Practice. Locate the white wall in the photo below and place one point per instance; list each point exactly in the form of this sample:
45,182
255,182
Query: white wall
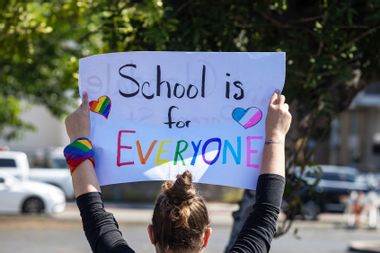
49,131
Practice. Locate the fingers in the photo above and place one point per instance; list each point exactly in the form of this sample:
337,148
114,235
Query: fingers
277,98
286,107
274,97
84,104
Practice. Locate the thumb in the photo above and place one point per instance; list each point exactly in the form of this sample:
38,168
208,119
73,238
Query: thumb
274,97
84,104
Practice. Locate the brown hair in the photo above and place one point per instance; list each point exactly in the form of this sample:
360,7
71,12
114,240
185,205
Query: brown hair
180,216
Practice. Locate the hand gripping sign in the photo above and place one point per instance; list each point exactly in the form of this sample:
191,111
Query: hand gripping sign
157,114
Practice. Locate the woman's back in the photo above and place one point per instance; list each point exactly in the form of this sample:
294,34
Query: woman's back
180,221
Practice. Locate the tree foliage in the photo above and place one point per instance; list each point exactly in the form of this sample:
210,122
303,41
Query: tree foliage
332,50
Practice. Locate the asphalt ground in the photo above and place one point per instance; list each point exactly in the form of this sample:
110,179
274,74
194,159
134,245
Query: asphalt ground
63,233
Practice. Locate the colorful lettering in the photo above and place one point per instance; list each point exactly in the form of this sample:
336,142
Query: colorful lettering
143,158
196,148
161,150
251,151
120,147
225,148
217,140
179,151
235,153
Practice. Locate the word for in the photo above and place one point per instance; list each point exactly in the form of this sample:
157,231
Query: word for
178,124
176,150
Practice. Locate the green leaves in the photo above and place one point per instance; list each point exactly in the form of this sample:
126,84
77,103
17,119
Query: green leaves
325,42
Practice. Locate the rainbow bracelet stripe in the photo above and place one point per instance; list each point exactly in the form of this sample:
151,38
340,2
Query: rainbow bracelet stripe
77,152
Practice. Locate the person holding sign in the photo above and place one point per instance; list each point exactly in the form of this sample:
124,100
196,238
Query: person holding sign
180,220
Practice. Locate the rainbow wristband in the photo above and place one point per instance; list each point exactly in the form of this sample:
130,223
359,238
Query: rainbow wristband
77,152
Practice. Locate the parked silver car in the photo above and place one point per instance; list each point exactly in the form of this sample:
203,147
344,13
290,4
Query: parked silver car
333,187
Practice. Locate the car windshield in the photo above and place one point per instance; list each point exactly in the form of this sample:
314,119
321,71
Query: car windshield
7,163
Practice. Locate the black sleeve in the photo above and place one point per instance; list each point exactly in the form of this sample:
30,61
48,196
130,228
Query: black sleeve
101,229
260,226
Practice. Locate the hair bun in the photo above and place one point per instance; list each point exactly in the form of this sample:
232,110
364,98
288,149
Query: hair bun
181,191
180,216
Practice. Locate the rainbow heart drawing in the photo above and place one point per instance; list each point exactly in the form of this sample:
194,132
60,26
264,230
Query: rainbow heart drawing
247,117
101,106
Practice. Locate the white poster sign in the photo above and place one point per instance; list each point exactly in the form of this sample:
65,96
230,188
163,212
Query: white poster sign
157,114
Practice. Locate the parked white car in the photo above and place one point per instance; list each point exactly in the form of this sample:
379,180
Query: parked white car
16,164
24,196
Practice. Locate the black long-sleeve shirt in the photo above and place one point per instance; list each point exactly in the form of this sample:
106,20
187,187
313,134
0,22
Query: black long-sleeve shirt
103,234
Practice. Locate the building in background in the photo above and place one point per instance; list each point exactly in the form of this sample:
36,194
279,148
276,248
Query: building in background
355,133
49,134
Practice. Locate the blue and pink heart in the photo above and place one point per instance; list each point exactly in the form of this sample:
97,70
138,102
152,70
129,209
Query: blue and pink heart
247,117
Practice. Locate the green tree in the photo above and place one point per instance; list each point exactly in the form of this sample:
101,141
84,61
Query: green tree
41,42
37,64
332,51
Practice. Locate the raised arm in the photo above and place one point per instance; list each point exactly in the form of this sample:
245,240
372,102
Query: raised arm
77,126
277,125
260,226
100,227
